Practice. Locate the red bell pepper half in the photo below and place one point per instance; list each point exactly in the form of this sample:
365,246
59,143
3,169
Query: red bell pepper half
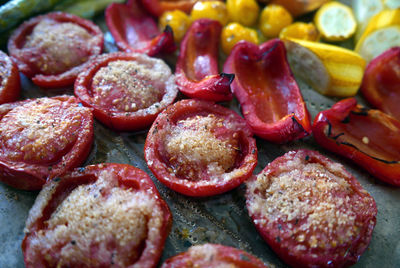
134,30
197,66
368,137
157,7
381,82
270,98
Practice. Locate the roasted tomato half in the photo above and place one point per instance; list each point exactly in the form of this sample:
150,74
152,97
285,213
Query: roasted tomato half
126,90
53,49
106,215
42,138
213,255
311,211
199,148
9,79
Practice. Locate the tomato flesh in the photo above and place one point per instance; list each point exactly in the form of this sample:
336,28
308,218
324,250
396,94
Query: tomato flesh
213,255
52,49
43,138
126,90
199,148
101,215
10,86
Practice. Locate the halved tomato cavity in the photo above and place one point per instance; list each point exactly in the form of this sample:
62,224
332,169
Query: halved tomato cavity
101,215
53,48
41,139
126,90
33,134
199,148
126,86
311,211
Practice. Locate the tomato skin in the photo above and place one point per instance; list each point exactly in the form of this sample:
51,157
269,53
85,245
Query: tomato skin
282,233
221,255
66,78
110,116
155,155
368,137
269,96
134,30
56,191
32,174
380,85
197,74
10,85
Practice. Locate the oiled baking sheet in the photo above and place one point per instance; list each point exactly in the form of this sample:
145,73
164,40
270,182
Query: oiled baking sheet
220,219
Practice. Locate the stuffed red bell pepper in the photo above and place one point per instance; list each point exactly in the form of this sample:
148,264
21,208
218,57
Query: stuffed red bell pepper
368,137
197,66
267,91
381,82
134,30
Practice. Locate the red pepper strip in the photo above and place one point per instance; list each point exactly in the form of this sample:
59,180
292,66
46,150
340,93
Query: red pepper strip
267,91
134,30
158,7
381,82
197,66
370,138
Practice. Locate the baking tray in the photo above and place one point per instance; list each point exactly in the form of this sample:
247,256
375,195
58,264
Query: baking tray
220,219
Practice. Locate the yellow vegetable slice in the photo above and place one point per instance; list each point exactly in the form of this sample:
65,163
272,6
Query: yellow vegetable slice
329,69
382,33
335,21
363,11
392,4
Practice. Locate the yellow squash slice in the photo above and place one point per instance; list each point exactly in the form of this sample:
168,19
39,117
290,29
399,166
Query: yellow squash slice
335,21
329,69
382,33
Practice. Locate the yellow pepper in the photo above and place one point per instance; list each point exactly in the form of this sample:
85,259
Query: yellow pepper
233,33
273,19
244,12
215,10
300,30
178,20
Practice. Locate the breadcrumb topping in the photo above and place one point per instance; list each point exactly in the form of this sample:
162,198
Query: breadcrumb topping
129,85
57,47
5,64
193,148
40,130
101,220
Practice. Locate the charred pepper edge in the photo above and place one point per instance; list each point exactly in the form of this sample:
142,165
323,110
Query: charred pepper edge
329,136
